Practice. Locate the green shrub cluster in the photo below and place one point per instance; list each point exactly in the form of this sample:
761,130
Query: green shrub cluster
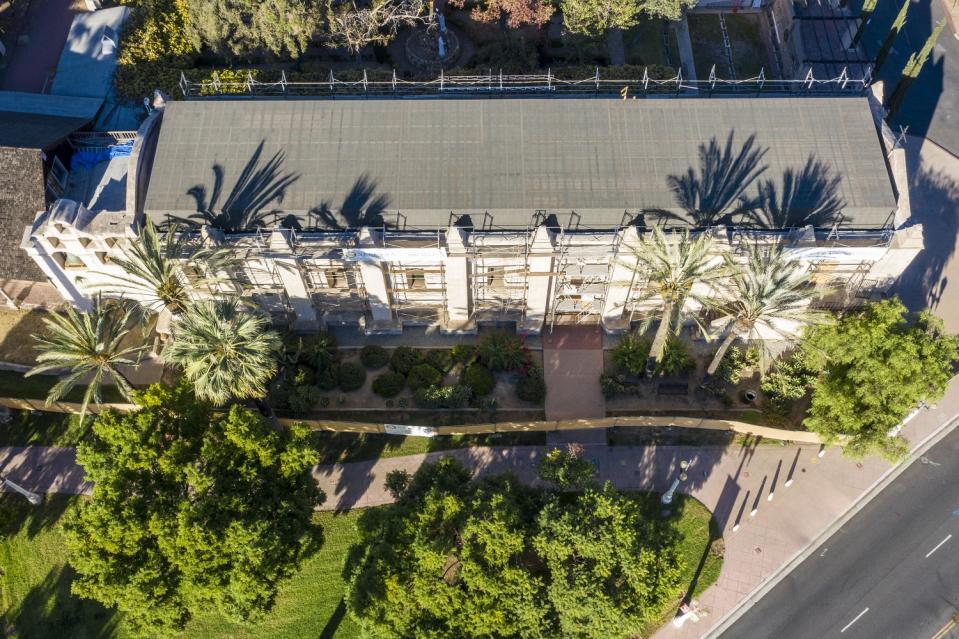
631,353
374,357
501,351
404,359
351,377
676,360
440,359
479,378
389,384
736,362
423,375
790,380
457,396
531,386
310,366
464,353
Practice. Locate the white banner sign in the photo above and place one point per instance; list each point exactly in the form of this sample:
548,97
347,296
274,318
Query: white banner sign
405,255
836,253
409,431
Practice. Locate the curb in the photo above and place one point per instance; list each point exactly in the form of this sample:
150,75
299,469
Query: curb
867,495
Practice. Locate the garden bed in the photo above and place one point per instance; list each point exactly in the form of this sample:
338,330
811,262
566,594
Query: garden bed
748,53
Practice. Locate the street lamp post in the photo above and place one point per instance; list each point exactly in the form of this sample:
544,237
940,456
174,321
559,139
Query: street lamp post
33,498
668,495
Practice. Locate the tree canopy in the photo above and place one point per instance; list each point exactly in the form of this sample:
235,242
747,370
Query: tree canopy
242,27
596,17
460,558
877,365
191,509
513,13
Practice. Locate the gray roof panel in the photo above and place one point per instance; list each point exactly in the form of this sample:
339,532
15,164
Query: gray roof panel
426,158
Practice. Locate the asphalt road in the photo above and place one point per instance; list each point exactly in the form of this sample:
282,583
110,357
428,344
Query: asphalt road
892,572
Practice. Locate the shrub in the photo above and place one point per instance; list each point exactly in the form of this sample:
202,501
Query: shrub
612,385
402,402
320,350
324,402
565,469
404,359
735,362
302,399
440,359
328,377
352,377
631,353
389,384
397,482
676,360
790,380
531,386
374,357
479,378
457,396
423,375
464,353
502,352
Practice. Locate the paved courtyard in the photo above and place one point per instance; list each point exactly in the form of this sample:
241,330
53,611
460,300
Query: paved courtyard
572,364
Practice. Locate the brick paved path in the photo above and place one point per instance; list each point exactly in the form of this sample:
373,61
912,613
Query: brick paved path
572,364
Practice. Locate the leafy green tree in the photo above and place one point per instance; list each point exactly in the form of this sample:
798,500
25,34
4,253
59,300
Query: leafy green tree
161,274
611,571
667,9
877,365
191,509
243,27
565,469
226,350
90,345
769,296
674,267
447,560
594,18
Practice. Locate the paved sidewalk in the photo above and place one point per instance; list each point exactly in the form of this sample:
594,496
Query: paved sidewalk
572,364
43,469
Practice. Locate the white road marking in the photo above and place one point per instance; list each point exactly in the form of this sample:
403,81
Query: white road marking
854,621
939,545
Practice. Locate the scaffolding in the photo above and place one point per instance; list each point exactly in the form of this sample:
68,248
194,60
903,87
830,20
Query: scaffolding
581,281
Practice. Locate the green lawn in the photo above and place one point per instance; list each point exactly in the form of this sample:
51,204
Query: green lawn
35,599
14,384
44,429
349,447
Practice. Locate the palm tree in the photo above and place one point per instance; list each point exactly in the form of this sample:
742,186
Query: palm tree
769,291
162,273
91,346
225,349
673,269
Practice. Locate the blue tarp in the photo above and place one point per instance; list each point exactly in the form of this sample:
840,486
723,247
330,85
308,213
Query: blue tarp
92,158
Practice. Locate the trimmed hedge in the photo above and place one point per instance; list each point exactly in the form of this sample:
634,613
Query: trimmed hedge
531,387
479,378
440,359
374,357
404,359
423,375
352,377
443,396
389,384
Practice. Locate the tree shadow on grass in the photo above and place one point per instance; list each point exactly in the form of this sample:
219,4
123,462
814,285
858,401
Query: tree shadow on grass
49,610
18,516
333,624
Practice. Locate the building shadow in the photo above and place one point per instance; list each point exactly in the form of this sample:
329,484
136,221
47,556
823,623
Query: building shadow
247,204
50,610
933,195
710,193
808,196
362,206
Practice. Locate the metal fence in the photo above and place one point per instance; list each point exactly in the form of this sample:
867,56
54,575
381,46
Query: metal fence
504,85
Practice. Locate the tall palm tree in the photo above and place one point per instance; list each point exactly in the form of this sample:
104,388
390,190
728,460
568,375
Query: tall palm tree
768,292
673,269
162,273
225,349
91,346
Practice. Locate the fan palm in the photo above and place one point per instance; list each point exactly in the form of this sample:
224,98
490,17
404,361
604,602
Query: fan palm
768,292
90,345
162,272
225,349
673,269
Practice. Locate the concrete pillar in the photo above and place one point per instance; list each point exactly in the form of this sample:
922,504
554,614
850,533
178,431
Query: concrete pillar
284,260
55,274
377,286
539,280
458,286
621,281
903,248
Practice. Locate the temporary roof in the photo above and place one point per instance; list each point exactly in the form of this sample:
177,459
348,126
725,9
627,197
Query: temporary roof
39,121
89,56
424,162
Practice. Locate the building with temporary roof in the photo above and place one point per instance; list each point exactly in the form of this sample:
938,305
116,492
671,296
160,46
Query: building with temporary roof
450,213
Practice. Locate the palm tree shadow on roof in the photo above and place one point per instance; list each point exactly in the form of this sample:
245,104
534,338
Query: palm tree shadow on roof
809,196
246,206
362,206
711,194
